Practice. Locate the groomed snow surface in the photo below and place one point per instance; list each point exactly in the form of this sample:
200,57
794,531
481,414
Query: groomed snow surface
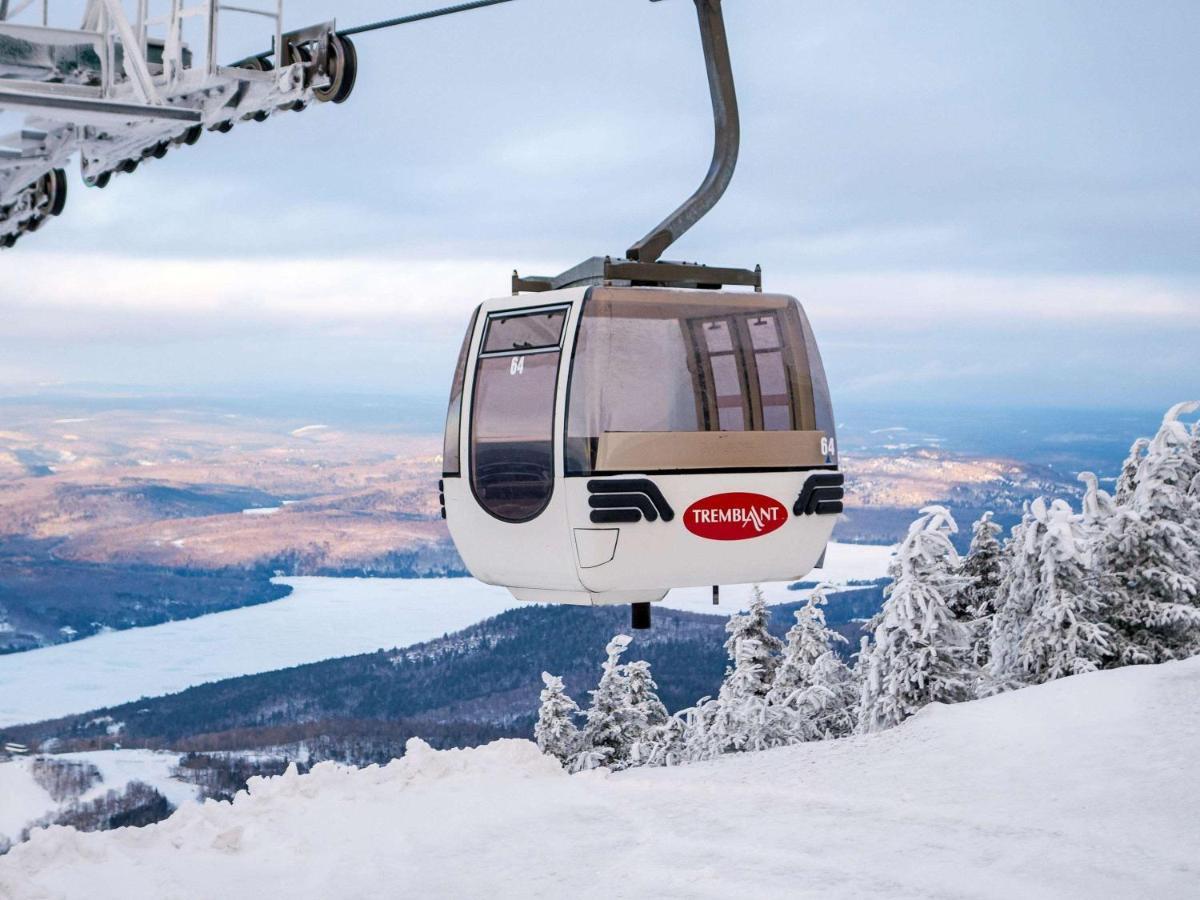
1084,787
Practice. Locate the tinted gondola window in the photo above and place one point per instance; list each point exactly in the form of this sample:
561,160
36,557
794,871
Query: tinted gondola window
525,330
450,460
512,424
689,380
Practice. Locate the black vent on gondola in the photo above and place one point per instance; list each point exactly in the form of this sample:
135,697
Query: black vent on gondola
624,500
822,495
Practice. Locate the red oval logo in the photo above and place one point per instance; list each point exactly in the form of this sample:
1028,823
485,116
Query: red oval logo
734,517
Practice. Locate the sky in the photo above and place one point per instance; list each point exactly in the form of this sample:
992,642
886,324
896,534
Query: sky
979,204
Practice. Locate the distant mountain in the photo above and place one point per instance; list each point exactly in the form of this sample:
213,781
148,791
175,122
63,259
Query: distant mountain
126,511
461,690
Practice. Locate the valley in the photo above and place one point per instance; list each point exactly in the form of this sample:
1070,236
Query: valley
120,511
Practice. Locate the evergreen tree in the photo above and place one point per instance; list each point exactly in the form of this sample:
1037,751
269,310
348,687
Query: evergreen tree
1064,633
741,719
762,647
627,723
1128,479
1014,601
920,654
555,731
1148,562
654,736
812,685
605,738
976,604
1098,508
1195,450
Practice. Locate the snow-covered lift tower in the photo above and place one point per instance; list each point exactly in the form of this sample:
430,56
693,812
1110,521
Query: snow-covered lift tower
126,86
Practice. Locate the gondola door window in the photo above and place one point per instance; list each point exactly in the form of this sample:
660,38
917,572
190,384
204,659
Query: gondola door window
512,412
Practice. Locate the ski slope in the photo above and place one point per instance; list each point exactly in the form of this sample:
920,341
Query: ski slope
23,800
1084,787
321,619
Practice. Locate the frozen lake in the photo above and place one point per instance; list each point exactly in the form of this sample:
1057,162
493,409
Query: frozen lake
323,618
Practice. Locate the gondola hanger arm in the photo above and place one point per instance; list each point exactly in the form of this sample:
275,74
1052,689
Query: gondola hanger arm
727,138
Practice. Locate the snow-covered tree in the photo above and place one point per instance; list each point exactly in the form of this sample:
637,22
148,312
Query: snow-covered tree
605,738
920,653
1014,600
982,569
627,723
1064,633
1128,479
740,718
815,688
1195,450
1098,508
654,735
1148,562
556,732
762,648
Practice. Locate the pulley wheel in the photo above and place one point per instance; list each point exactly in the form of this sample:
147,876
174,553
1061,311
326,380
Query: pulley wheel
192,135
52,196
59,200
343,70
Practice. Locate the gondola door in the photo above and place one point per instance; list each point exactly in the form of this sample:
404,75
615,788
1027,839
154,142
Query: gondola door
504,511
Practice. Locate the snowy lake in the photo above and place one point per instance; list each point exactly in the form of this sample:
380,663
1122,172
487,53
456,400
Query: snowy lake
322,618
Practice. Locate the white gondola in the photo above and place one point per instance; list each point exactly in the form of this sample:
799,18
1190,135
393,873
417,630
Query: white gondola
633,427
607,444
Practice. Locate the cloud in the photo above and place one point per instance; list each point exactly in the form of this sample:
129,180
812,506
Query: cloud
921,300
102,297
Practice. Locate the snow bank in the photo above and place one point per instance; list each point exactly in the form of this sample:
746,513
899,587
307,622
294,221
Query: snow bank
1082,787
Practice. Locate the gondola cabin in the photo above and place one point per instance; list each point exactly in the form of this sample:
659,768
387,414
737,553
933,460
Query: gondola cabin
607,444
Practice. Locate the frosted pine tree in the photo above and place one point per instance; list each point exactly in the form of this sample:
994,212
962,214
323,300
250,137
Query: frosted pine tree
752,626
919,654
604,740
627,723
741,719
1014,600
1098,508
654,737
814,688
556,732
1195,450
1128,479
1149,561
1064,633
982,570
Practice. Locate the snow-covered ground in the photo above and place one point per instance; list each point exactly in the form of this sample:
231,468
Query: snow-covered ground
323,618
23,800
1084,787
